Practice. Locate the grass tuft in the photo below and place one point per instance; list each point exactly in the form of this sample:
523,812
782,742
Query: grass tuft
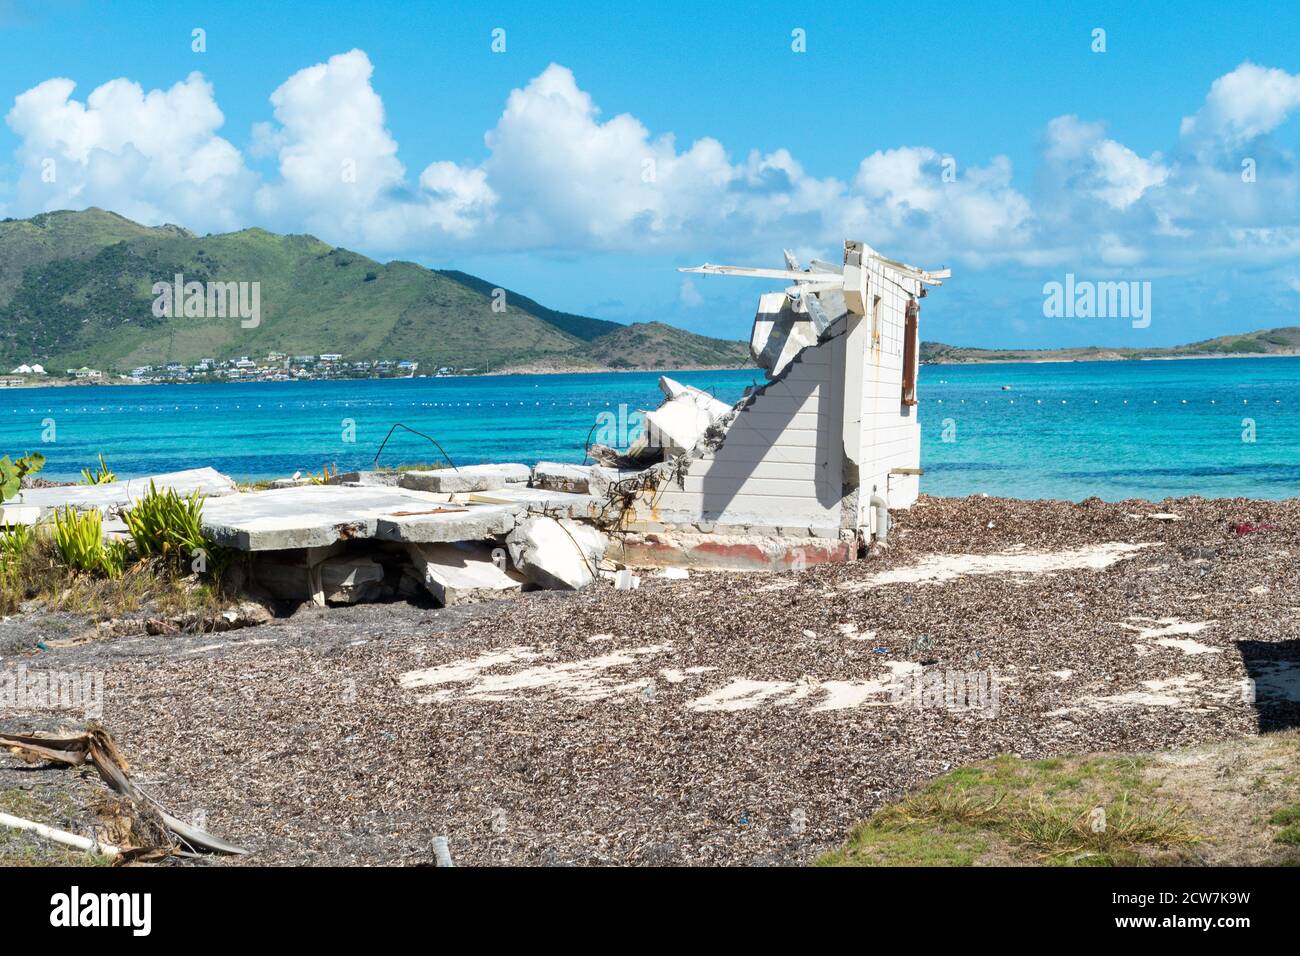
1040,808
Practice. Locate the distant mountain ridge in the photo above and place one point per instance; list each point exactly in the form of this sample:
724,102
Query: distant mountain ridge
1280,341
76,289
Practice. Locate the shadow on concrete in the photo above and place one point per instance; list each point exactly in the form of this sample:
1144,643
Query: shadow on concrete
1274,671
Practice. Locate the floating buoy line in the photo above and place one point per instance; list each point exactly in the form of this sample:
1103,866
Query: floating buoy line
352,404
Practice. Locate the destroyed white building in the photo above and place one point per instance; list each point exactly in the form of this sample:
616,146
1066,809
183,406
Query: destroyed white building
802,470
805,468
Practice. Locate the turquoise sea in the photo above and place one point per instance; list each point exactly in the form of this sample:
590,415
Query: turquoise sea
1112,429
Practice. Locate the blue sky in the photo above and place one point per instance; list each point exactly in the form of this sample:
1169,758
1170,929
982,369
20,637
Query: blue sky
528,167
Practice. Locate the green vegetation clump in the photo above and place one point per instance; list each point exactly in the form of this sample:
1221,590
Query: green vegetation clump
324,477
165,525
102,475
79,539
1288,818
12,473
1045,811
66,564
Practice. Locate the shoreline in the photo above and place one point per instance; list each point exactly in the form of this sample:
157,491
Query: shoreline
528,372
1086,361
403,378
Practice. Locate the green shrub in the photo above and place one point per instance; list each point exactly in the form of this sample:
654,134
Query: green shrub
167,526
15,546
16,542
324,477
114,558
79,540
98,476
12,473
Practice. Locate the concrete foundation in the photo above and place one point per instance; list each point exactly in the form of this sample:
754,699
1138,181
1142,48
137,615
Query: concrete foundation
728,552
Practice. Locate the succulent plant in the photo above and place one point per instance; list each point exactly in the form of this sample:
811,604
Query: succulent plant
12,473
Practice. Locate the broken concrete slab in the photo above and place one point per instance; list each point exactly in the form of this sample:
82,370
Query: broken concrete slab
513,473
564,504
311,515
351,580
319,515
679,423
780,333
464,572
387,479
674,391
558,476
118,495
19,514
593,480
446,481
449,522
557,552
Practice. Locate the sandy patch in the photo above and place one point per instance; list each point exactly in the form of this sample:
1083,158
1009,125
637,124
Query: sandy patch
1162,632
1180,692
238,644
1164,627
944,567
673,676
577,680
903,686
746,694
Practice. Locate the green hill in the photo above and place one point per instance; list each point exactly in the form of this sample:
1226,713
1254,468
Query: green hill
580,325
75,289
1282,341
655,345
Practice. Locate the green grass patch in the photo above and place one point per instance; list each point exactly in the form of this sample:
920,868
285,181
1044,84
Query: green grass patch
909,846
1288,818
1024,811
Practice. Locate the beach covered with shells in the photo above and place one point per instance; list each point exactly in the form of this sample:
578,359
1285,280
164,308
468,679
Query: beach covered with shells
721,719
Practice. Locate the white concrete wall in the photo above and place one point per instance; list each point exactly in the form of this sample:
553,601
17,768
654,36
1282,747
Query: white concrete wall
891,431
781,464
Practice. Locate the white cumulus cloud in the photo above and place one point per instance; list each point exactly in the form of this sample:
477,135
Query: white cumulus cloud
558,174
152,156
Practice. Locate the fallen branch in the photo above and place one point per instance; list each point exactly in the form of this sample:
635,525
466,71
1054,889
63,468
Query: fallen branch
96,747
59,836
